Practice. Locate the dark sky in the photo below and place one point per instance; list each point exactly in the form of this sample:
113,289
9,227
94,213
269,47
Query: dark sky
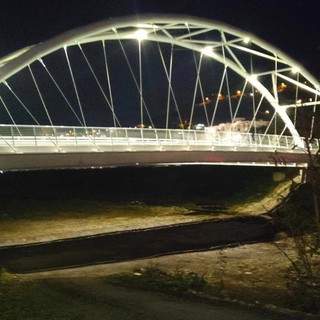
293,26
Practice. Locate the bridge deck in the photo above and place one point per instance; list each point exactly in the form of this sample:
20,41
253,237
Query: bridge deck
35,147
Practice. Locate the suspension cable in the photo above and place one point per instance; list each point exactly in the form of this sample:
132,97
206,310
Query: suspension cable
75,86
9,113
22,104
218,95
170,88
239,102
314,109
254,119
140,85
227,83
271,120
40,95
98,82
198,82
203,101
281,134
135,80
60,90
109,82
296,100
195,92
169,82
254,109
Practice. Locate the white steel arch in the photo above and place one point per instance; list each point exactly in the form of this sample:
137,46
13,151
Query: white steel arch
191,33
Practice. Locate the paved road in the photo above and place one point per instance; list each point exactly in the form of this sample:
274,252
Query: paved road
101,300
135,244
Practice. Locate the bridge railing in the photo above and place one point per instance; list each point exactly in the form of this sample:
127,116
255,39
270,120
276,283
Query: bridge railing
64,138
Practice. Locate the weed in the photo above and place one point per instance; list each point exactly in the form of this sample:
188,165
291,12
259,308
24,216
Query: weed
153,278
5,277
303,275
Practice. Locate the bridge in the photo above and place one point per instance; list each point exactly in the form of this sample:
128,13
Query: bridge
155,90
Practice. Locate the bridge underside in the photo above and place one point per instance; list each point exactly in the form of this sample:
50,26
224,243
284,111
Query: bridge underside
58,160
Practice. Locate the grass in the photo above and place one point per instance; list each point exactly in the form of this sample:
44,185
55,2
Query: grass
54,299
66,299
24,300
152,278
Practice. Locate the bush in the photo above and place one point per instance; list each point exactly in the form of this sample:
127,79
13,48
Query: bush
303,275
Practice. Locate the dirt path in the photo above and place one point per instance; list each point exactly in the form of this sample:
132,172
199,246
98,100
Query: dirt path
254,268
98,300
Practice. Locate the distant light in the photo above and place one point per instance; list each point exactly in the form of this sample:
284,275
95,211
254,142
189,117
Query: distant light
238,92
299,101
251,94
246,40
295,70
140,34
310,99
282,86
267,112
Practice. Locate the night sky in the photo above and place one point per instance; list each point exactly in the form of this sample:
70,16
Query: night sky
293,26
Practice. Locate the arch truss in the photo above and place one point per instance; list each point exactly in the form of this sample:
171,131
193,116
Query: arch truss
159,72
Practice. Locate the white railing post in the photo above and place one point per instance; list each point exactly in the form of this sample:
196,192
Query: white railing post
35,137
12,137
127,137
75,137
56,138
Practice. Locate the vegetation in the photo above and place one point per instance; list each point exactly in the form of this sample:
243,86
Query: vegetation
298,217
152,278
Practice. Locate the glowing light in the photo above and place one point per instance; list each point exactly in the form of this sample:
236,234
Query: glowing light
208,51
252,78
246,40
140,34
146,25
282,86
238,92
295,70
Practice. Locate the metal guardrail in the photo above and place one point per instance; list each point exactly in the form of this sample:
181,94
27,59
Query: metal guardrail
62,138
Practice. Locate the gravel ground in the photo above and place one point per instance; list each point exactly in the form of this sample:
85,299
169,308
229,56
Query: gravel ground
254,271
